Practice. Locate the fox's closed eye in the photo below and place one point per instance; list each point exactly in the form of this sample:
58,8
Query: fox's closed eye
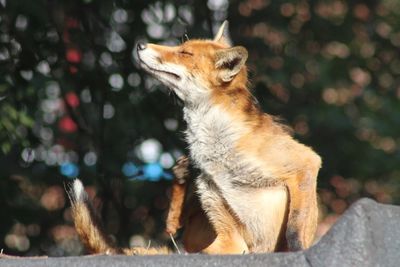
184,52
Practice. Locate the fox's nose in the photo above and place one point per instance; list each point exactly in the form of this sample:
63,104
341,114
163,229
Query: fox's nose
141,46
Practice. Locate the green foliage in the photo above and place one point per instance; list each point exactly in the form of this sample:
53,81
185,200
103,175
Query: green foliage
13,127
72,100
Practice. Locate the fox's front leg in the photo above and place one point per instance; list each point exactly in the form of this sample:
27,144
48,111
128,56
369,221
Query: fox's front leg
303,210
228,238
179,191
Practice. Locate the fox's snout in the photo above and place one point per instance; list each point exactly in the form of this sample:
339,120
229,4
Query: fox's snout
140,47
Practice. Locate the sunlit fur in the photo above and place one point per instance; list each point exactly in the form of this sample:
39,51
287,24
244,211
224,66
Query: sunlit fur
257,182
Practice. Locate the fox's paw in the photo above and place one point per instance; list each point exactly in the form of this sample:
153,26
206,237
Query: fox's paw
181,169
145,251
234,244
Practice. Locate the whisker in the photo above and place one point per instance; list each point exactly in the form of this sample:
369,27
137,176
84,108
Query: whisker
173,242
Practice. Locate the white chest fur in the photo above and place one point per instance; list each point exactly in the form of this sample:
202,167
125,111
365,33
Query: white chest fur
211,136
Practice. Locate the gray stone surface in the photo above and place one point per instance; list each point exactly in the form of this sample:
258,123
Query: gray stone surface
368,234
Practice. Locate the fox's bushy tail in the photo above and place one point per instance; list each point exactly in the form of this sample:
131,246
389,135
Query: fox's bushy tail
90,230
87,222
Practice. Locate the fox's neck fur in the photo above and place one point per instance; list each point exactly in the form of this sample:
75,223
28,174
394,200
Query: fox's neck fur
213,122
233,98
230,105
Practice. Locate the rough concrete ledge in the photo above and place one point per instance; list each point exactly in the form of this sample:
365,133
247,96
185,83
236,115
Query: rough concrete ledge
368,234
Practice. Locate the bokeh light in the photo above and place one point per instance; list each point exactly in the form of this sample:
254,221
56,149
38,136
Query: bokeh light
153,171
69,169
149,151
72,99
129,169
67,125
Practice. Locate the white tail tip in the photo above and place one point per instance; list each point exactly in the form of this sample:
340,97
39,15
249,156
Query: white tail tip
78,190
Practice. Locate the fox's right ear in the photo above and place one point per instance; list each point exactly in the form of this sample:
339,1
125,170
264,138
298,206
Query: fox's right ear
230,61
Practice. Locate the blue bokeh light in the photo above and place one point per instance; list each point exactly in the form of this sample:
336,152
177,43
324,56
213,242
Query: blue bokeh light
129,169
153,172
69,169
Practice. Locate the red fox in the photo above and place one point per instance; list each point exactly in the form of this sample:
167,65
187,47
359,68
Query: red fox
256,191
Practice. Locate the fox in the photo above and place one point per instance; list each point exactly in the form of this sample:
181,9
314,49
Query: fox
255,190
257,184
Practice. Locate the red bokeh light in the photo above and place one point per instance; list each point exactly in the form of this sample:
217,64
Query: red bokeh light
73,55
67,125
72,99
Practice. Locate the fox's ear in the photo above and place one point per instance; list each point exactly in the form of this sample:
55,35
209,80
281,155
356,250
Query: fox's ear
222,35
230,61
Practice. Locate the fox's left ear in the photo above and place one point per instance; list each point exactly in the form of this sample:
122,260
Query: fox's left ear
230,61
222,35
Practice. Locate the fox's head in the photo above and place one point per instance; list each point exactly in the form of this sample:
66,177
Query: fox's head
197,68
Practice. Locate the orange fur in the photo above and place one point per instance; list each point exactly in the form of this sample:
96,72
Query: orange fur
91,234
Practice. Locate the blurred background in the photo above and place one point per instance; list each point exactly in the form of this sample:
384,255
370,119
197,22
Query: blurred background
73,103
